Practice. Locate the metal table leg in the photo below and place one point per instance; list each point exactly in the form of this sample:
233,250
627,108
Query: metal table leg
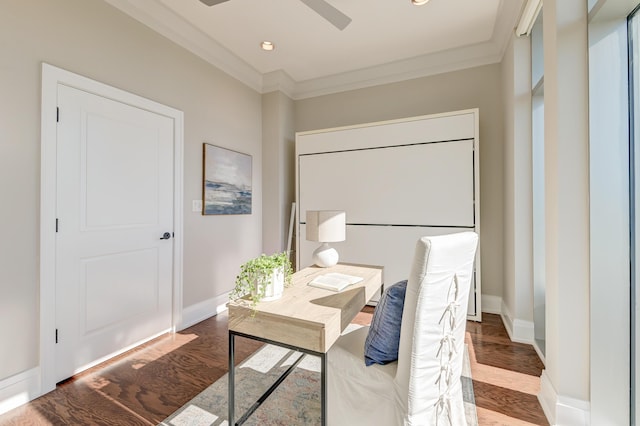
323,389
231,380
323,379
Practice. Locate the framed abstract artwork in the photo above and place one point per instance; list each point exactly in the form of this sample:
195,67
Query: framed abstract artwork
226,187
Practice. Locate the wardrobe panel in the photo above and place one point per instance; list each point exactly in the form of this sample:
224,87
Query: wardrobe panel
427,184
397,181
390,246
432,128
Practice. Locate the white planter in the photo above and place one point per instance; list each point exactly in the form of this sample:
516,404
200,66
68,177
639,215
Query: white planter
275,286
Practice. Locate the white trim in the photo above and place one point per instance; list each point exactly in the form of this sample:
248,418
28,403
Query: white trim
198,312
491,304
51,78
547,397
539,352
520,331
523,331
47,227
408,69
528,17
278,81
562,410
315,150
476,208
19,389
507,319
571,411
178,215
165,21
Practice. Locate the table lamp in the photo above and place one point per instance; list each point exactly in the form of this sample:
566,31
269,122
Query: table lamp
325,226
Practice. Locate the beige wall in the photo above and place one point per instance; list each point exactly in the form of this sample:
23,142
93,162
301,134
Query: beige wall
508,291
93,39
278,170
517,309
476,87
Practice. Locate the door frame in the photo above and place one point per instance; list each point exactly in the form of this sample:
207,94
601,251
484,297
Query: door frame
52,77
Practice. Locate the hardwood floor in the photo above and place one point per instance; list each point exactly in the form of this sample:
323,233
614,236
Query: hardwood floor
145,385
506,375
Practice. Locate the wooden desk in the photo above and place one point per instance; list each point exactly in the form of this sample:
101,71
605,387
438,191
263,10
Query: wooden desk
306,319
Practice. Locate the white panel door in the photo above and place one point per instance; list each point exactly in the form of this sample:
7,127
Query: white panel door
114,203
426,184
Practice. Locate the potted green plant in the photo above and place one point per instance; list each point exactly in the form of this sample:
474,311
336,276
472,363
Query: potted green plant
263,278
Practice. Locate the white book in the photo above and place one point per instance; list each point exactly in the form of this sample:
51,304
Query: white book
334,281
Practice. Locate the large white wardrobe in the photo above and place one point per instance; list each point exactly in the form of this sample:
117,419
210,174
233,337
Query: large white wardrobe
397,181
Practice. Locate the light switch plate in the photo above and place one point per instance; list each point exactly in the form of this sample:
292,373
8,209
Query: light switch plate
196,205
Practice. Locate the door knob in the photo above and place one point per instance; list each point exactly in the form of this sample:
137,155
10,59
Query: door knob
166,236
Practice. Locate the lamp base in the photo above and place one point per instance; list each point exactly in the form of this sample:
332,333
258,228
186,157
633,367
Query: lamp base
325,256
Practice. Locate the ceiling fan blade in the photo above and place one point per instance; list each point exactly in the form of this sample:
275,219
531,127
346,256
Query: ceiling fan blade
328,12
212,2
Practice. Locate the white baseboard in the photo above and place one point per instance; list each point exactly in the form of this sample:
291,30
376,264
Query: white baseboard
523,331
547,397
542,356
562,410
520,331
193,314
571,411
24,387
19,389
491,304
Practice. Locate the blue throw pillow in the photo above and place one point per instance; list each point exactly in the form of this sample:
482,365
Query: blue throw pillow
383,340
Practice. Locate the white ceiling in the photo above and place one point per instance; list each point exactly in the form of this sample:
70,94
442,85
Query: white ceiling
387,40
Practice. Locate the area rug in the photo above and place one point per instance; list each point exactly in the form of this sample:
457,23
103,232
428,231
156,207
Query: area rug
295,402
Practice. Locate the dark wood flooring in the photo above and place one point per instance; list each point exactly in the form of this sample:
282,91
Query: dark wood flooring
145,385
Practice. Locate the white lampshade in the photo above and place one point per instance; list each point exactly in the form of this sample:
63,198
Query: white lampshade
326,226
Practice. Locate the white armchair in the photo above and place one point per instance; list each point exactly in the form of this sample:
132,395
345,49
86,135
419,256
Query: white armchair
423,387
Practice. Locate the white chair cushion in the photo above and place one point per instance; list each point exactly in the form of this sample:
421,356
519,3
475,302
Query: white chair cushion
359,395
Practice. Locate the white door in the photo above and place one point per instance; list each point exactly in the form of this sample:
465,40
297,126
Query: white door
114,203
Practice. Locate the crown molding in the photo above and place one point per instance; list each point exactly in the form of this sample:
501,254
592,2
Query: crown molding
409,69
503,33
486,53
528,17
278,81
163,20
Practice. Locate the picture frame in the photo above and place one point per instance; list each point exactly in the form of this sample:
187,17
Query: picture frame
226,181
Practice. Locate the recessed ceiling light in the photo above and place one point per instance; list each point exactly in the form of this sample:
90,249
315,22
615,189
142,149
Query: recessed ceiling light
419,2
267,45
